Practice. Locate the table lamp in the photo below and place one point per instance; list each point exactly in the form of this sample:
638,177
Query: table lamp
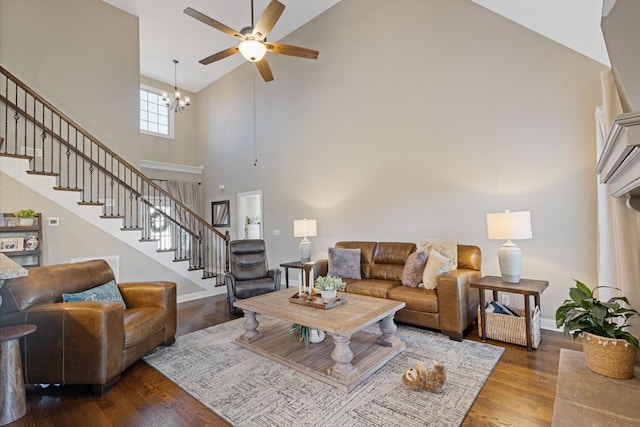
305,228
509,226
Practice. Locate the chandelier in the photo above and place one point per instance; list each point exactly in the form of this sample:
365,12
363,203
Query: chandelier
177,104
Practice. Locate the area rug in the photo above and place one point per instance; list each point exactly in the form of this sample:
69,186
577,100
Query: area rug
249,390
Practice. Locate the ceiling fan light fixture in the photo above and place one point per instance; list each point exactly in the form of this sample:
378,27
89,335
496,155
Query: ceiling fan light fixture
252,50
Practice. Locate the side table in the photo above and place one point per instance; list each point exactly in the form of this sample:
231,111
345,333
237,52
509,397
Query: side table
299,265
13,403
526,287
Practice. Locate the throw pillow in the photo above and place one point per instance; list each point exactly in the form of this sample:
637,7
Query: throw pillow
344,263
107,292
448,248
436,265
413,269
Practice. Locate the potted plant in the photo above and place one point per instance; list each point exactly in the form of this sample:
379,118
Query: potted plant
608,348
26,216
307,334
328,285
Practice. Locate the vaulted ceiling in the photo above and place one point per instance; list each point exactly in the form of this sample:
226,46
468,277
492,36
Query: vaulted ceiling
166,33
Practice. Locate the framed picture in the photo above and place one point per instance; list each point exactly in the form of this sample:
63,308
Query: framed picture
11,244
220,214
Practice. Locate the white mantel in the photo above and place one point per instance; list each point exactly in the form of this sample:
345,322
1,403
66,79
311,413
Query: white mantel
619,164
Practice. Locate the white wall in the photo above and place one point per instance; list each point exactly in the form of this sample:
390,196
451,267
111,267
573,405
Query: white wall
417,119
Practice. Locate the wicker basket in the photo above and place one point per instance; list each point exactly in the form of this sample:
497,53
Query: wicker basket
609,357
511,329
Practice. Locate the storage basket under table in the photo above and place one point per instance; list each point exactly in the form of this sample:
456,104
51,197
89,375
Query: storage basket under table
511,329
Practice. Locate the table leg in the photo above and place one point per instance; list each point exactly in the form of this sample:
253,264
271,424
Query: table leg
12,397
342,355
250,327
483,317
527,314
286,277
388,329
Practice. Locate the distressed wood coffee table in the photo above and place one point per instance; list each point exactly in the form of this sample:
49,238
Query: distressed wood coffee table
344,363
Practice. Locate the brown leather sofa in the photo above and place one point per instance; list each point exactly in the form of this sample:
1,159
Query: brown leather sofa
451,307
87,342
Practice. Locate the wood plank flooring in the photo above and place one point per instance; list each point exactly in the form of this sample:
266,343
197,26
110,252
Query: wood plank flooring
519,392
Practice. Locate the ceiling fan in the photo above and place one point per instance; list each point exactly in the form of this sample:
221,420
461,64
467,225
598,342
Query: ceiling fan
254,44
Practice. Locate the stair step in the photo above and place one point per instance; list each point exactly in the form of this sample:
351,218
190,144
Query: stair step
112,216
43,173
68,189
148,240
181,259
16,156
131,229
91,203
167,250
209,274
195,268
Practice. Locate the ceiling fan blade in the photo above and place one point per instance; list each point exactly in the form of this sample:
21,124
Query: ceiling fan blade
286,49
213,23
268,19
220,55
265,70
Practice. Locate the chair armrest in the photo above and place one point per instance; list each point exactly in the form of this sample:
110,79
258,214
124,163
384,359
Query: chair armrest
74,343
154,294
458,303
318,267
275,275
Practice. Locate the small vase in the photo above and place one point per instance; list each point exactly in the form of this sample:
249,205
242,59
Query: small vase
316,336
328,294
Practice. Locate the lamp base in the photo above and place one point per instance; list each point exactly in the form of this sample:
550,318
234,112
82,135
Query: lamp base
305,250
510,260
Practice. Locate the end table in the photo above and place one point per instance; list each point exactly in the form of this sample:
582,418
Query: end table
526,287
293,264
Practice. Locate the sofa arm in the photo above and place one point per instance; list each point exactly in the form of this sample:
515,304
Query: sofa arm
74,343
458,303
318,267
154,294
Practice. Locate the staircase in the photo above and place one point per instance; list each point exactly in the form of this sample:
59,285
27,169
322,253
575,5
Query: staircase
65,163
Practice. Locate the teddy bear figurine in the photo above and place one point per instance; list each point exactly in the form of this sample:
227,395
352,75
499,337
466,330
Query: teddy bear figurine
419,378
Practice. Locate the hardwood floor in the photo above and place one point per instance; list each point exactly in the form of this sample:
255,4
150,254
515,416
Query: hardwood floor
519,392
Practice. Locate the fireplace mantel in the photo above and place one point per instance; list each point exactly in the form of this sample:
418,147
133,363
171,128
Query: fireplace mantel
619,163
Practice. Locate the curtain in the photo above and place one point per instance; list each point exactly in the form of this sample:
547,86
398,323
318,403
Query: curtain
618,225
187,193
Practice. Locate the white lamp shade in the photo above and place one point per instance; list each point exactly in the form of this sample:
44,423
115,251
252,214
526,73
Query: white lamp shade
305,228
509,225
252,50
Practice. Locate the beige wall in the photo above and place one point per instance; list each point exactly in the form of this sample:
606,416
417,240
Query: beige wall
183,149
418,119
83,57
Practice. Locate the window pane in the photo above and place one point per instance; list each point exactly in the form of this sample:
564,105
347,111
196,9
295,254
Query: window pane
163,129
163,120
153,127
143,125
153,108
143,94
154,115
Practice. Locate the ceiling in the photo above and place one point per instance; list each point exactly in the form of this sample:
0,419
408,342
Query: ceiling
166,33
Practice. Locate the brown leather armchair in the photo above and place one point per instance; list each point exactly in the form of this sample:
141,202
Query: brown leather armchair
88,342
248,274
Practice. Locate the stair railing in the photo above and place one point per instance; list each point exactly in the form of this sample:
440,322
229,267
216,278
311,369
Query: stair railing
55,145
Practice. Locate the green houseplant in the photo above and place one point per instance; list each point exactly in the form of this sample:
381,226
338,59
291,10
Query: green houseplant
328,285
26,216
307,334
609,349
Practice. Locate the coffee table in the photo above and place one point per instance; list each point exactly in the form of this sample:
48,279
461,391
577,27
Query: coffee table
344,363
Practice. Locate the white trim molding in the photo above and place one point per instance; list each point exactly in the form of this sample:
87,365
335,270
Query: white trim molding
173,167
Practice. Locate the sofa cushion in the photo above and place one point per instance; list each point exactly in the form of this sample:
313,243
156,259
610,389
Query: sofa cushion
344,263
448,248
107,292
255,287
436,265
141,323
371,287
413,269
418,299
389,259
